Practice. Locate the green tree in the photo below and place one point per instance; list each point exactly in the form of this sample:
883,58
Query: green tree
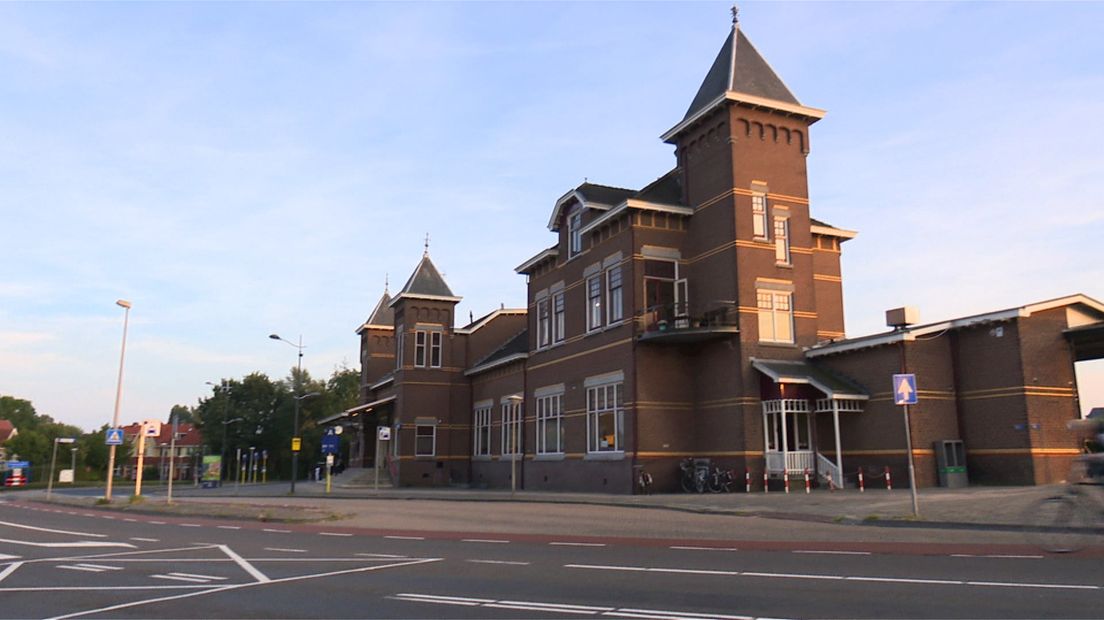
182,414
21,413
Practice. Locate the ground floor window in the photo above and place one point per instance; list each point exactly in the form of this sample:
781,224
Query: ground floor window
550,424
798,426
605,418
425,440
511,426
482,441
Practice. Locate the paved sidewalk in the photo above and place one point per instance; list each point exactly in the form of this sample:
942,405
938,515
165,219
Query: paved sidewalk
972,507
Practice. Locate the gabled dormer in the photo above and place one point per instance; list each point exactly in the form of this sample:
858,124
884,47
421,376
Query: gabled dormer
377,343
577,208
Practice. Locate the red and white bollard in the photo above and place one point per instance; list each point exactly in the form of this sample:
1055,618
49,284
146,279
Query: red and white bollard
786,477
747,481
862,487
889,480
766,482
807,487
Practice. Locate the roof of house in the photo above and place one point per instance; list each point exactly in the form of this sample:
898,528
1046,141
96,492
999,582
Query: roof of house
800,372
514,349
425,282
7,430
382,316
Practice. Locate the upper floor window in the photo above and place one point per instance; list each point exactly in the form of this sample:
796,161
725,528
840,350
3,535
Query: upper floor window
594,302
544,323
419,348
614,295
481,443
759,215
775,316
782,240
435,340
575,233
558,317
665,294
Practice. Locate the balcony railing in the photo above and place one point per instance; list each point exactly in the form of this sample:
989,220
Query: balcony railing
682,323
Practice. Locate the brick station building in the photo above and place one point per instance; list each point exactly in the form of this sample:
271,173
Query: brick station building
702,316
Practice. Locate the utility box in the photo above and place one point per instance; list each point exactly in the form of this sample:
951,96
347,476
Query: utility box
950,461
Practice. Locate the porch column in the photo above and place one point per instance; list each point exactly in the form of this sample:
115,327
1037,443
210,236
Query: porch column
766,434
785,441
835,426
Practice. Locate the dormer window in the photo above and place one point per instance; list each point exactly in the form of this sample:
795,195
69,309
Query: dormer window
575,233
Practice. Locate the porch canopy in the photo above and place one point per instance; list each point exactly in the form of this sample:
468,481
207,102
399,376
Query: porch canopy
792,452
348,413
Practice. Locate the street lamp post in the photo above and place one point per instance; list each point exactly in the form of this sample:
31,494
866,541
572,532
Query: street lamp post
53,462
298,398
122,303
73,462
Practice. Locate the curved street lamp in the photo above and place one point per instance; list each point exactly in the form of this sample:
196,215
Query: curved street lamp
122,303
298,398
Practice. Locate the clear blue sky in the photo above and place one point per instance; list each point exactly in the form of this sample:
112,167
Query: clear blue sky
242,169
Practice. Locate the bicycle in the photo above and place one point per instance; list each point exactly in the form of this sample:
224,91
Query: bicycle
721,480
695,475
1072,518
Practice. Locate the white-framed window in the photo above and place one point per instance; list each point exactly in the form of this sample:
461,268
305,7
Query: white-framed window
782,240
550,424
575,233
399,347
605,418
558,317
798,431
594,302
775,316
435,339
759,215
511,426
544,323
425,439
614,295
481,443
420,348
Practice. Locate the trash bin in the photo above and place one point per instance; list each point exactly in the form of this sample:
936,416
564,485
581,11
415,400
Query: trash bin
950,461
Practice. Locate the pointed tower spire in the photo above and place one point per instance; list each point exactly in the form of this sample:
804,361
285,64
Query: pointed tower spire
386,283
426,252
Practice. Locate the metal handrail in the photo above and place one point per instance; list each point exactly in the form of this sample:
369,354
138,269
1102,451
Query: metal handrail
681,315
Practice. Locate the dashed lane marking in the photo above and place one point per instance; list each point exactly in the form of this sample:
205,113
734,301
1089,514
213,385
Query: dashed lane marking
998,556
860,578
229,527
176,578
562,608
333,534
380,555
189,525
690,548
275,531
819,552
405,537
507,562
189,577
157,523
279,550
577,544
140,539
484,540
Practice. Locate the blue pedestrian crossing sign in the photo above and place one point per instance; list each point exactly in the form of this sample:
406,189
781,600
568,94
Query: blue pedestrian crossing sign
330,442
114,437
904,389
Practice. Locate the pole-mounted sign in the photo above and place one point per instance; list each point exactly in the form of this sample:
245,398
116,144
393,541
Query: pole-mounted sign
904,389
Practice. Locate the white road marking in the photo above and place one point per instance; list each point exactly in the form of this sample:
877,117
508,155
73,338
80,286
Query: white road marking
405,537
157,523
140,539
507,562
1001,584
998,556
333,534
14,566
814,551
195,576
202,590
4,556
274,531
685,548
175,578
81,543
484,540
246,566
380,555
278,549
189,525
101,566
582,610
577,544
86,569
129,520
50,531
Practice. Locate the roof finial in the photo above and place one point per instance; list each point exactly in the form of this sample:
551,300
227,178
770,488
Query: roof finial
426,246
386,282
735,14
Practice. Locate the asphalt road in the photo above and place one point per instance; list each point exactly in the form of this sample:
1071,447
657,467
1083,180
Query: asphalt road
63,562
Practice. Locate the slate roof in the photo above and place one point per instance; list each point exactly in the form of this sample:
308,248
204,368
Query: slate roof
518,345
788,371
7,430
667,189
383,314
604,194
425,280
739,68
